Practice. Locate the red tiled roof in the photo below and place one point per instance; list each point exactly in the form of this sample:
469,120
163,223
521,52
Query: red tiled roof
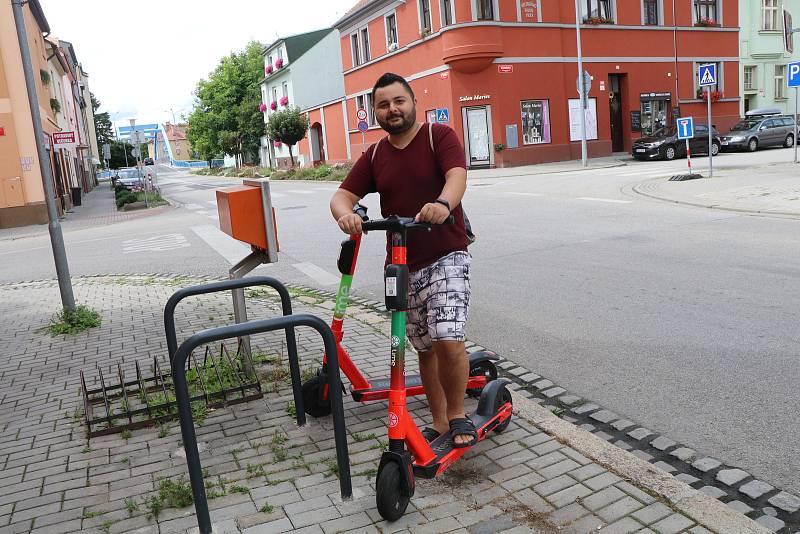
361,4
175,132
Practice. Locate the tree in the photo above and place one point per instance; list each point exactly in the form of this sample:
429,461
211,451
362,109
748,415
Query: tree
102,123
226,119
118,150
288,126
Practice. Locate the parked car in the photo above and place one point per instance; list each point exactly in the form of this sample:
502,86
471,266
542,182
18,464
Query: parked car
128,178
757,131
664,144
149,161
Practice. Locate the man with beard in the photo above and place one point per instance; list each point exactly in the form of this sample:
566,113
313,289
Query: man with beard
419,170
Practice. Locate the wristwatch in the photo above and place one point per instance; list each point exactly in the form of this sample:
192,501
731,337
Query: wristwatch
444,203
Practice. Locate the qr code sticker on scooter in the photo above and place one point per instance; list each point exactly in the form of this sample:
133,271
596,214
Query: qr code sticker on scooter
391,286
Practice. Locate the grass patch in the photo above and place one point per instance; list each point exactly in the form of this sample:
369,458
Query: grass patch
171,494
106,525
73,321
328,173
239,489
131,506
89,515
266,509
363,437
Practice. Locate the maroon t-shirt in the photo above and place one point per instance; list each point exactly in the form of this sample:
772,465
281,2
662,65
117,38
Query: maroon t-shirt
409,178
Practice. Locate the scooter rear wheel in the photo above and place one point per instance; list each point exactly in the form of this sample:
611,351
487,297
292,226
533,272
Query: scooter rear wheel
485,368
389,497
313,403
504,397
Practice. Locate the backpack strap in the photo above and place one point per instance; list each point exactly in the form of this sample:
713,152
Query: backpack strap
430,136
374,150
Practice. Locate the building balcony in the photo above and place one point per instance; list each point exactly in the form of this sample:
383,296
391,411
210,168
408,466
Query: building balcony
471,49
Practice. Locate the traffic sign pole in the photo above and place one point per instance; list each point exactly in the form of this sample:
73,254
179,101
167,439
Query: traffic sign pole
796,90
710,139
689,156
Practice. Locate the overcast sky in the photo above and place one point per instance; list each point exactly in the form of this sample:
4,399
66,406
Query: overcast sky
146,57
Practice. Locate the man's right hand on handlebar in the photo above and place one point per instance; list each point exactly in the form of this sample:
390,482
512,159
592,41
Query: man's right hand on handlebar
350,224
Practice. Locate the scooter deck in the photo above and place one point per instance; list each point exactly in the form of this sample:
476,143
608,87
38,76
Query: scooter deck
381,386
446,454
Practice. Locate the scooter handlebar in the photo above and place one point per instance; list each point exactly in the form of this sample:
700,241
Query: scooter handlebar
361,211
394,223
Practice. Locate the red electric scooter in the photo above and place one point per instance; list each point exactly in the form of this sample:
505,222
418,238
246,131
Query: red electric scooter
315,390
400,464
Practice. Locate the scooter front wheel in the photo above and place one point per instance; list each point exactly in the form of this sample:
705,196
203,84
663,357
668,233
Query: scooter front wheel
502,398
389,496
313,402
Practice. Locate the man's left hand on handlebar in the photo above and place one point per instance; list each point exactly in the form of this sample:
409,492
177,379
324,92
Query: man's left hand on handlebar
433,213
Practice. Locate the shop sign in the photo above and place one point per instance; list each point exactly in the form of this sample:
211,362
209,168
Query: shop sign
505,69
64,138
26,162
444,75
2,131
529,10
636,121
473,98
644,97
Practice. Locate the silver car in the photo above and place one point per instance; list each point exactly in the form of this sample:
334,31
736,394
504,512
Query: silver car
128,178
755,132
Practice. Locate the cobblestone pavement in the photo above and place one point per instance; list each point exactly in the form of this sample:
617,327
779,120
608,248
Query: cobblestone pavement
264,473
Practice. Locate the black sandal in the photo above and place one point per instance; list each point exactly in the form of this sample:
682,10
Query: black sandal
430,434
463,426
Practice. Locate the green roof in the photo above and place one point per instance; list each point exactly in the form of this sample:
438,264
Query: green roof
297,45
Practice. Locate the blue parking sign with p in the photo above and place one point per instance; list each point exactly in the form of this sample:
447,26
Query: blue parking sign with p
685,128
794,74
707,74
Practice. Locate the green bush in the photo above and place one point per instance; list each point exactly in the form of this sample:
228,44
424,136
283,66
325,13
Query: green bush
126,197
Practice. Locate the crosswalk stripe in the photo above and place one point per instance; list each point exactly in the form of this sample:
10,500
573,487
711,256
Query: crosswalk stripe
318,274
611,200
158,243
233,251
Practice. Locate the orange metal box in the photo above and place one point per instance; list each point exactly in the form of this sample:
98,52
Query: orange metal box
241,214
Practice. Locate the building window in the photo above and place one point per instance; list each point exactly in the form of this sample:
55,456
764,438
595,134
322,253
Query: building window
448,17
749,78
780,82
535,122
485,9
425,16
365,102
391,32
355,50
770,13
285,89
280,53
599,9
705,10
365,44
651,13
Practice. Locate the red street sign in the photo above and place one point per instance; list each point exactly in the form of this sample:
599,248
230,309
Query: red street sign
63,138
444,75
505,69
2,131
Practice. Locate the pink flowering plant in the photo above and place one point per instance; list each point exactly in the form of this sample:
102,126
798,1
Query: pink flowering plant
284,101
262,107
268,70
279,63
273,105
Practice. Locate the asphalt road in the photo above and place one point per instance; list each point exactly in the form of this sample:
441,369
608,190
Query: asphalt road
680,318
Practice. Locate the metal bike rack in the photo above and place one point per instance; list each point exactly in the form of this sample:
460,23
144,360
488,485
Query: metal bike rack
240,284
180,355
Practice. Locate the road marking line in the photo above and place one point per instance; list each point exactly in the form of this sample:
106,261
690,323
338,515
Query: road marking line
158,243
193,206
226,246
520,193
318,274
612,200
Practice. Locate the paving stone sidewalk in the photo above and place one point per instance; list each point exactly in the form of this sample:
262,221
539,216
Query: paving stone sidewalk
264,473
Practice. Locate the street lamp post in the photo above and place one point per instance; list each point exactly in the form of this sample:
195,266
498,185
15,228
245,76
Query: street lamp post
581,85
54,227
137,147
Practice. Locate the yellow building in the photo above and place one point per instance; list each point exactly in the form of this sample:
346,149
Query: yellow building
21,191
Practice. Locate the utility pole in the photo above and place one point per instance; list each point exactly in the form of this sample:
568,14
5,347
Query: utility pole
54,227
581,85
138,147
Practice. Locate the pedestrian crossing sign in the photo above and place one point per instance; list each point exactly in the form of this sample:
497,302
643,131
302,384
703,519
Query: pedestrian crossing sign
442,115
707,75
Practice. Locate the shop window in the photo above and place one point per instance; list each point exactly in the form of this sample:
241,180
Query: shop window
651,12
425,25
391,32
448,15
535,122
749,78
770,15
484,9
598,11
780,82
706,11
654,114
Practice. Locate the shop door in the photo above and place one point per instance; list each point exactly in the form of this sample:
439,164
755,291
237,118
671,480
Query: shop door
615,105
478,136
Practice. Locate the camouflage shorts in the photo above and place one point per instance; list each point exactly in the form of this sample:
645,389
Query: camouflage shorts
438,301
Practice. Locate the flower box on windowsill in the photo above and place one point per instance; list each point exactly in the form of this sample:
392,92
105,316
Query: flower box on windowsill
598,20
716,96
284,101
707,23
